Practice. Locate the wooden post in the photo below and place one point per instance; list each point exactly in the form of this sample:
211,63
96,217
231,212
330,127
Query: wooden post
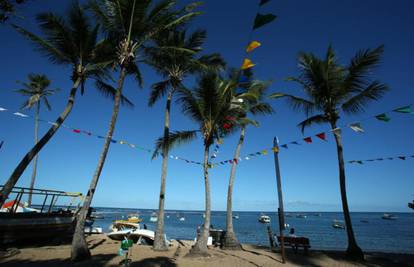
280,197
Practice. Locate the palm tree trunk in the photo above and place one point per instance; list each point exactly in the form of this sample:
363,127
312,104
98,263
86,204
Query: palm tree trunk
353,249
80,249
159,240
36,133
200,247
230,239
18,171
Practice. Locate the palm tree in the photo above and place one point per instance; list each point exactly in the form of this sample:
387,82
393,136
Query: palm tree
174,65
74,43
209,106
37,91
332,89
128,25
250,101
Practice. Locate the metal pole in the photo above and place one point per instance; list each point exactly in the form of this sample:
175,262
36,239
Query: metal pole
280,197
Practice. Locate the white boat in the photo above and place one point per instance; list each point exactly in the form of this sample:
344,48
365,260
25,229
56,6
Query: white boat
236,216
388,216
182,219
264,219
302,216
154,217
138,236
118,226
338,224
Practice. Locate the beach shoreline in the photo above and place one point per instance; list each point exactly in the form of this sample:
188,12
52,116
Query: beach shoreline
104,253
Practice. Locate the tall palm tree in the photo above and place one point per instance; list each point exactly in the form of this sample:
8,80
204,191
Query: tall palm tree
333,89
70,42
37,91
174,65
251,101
209,106
128,25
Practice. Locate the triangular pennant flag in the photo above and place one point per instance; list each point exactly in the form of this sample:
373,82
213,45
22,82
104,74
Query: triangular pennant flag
352,161
321,136
262,2
307,140
258,153
114,141
295,143
379,159
88,133
247,64
383,117
76,131
100,136
370,160
264,152
252,46
402,157
122,142
356,127
20,114
337,132
406,109
246,158
2,109
231,161
390,158
275,149
359,162
132,145
284,146
262,20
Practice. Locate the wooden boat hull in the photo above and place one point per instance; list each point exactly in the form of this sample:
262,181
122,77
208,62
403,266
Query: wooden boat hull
29,228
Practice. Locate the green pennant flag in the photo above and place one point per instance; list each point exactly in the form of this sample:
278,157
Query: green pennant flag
359,162
262,2
406,109
383,117
262,20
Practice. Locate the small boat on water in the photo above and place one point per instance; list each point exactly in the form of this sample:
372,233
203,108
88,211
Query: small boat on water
154,217
264,219
236,216
182,219
302,216
338,224
388,216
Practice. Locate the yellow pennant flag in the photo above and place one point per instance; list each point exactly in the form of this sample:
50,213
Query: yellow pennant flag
253,45
247,64
264,152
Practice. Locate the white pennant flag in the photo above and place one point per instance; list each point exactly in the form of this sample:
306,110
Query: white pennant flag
2,109
20,114
356,127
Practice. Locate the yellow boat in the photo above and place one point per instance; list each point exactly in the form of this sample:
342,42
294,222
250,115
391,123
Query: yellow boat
131,219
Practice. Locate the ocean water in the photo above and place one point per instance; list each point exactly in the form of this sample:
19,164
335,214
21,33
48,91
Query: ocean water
376,234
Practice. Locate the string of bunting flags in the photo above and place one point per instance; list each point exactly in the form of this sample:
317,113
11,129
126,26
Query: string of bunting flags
259,21
356,127
403,157
91,134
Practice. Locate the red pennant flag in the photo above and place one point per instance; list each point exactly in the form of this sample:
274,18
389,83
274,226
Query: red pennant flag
76,131
308,140
322,136
227,126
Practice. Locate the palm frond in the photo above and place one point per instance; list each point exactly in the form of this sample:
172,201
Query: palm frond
262,109
297,103
158,90
109,91
175,138
316,119
372,92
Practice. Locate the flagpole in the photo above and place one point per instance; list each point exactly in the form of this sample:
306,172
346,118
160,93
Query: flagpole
280,197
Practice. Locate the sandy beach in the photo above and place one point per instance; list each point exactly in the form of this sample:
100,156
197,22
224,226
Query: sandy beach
104,253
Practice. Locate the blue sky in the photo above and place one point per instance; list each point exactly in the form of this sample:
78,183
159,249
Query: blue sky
309,172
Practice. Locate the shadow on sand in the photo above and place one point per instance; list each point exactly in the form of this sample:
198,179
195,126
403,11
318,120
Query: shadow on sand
154,262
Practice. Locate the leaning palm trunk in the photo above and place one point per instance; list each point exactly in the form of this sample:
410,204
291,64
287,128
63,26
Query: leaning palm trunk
159,240
80,249
32,181
353,249
200,247
230,239
18,171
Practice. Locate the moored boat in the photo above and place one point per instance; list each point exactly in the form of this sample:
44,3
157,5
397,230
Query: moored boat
154,217
338,224
264,219
388,216
302,216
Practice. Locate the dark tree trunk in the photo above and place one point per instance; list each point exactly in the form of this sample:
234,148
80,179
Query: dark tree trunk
36,133
353,249
159,240
18,171
200,247
230,239
80,250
